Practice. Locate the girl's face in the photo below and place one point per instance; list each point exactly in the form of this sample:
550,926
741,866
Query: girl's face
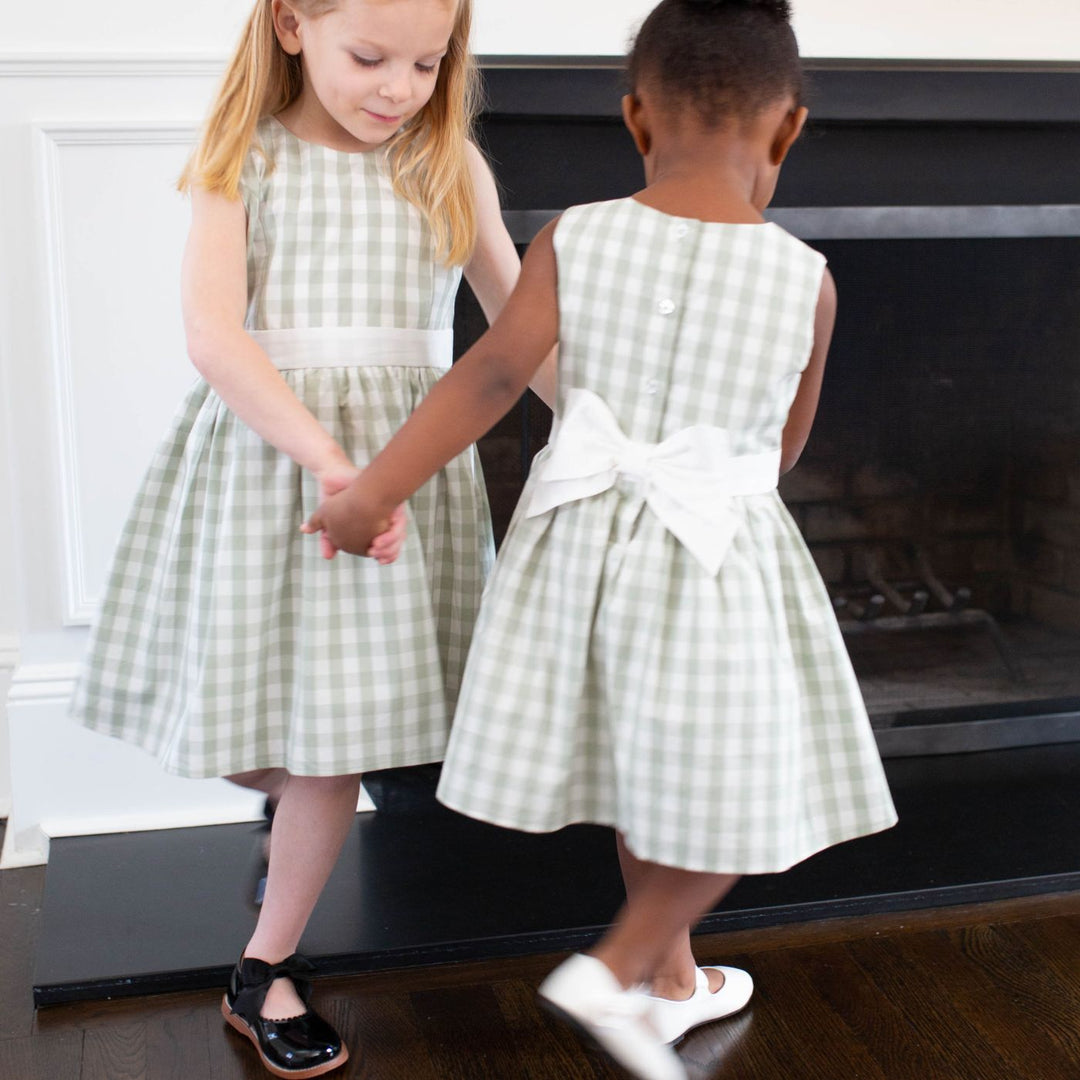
369,65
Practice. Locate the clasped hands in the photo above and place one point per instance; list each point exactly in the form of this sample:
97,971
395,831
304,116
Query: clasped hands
347,521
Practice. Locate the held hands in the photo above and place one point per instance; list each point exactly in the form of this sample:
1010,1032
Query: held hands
386,547
341,525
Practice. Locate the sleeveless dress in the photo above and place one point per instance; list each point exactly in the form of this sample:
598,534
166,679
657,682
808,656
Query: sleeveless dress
617,676
225,642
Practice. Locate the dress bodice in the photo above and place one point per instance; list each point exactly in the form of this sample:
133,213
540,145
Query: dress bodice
330,243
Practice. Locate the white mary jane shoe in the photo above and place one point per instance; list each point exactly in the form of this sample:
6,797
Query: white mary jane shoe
584,992
673,1019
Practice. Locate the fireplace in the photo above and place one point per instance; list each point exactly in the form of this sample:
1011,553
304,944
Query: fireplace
940,490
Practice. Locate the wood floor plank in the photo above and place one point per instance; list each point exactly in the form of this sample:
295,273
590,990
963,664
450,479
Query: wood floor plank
384,1033
931,973
93,1015
786,993
178,1047
904,1048
467,1036
1018,1002
50,1057
1057,944
914,988
115,1053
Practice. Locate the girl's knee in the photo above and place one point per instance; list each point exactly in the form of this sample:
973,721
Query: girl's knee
329,784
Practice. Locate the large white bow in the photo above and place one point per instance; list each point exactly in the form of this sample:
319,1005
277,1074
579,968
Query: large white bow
688,480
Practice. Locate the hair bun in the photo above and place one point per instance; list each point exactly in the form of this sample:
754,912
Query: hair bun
780,9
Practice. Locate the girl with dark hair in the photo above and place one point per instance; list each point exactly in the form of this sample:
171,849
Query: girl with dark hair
656,650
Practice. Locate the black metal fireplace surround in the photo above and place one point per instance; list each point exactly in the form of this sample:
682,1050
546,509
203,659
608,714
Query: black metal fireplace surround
940,494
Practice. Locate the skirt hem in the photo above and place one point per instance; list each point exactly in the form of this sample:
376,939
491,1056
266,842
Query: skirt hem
371,763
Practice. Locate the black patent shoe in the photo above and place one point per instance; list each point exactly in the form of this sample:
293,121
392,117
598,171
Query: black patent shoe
298,1047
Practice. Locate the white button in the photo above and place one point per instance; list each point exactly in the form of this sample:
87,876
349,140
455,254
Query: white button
651,386
681,230
666,306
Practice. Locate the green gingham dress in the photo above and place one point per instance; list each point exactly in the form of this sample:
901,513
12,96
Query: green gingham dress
225,642
713,718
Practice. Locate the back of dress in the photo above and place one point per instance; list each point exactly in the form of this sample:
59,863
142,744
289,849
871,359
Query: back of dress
656,650
675,322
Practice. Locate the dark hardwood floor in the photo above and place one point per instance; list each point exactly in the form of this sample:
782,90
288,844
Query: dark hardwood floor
985,992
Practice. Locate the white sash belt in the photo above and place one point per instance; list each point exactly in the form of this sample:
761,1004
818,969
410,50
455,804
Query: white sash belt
356,346
688,480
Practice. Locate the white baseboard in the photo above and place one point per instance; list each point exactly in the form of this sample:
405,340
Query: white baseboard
43,683
30,848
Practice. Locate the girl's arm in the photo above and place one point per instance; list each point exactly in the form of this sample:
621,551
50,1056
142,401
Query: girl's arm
494,267
214,297
804,407
480,389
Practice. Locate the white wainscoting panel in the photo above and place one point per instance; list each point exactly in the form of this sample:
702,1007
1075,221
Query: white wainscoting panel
114,230
92,368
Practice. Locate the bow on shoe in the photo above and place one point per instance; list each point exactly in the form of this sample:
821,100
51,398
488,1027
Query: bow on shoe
252,979
688,480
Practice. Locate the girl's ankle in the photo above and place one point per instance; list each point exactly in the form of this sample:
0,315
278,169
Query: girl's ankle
612,963
674,989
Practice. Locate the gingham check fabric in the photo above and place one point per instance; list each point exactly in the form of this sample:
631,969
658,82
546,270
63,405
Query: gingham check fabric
715,720
225,642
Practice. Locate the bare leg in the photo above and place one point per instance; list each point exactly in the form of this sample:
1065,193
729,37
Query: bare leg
313,818
675,974
269,781
650,941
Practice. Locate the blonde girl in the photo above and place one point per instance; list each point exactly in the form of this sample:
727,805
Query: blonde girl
336,200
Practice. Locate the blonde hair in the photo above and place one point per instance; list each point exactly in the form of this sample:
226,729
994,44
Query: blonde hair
428,156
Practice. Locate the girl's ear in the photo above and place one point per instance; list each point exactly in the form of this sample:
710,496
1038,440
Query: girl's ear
636,123
286,26
789,130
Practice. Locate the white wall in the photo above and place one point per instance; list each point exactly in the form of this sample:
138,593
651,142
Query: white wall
96,106
91,367
952,29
